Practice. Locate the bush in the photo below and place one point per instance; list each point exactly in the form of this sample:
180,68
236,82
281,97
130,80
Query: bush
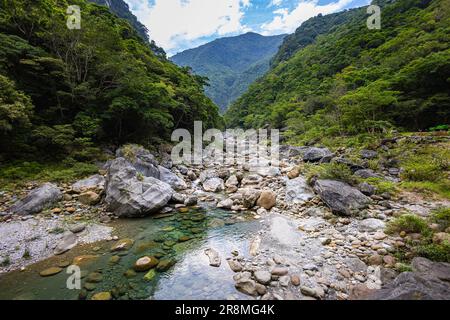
382,186
441,216
435,252
332,171
421,171
410,223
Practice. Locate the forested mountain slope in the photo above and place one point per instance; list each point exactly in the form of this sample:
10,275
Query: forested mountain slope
122,10
355,80
66,92
231,64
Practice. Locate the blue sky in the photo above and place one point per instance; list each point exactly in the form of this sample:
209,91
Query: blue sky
177,25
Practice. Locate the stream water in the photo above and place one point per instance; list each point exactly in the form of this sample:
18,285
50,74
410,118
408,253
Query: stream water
179,240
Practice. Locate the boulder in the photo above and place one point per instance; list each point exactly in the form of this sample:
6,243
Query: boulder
266,171
141,159
314,154
89,198
191,201
368,154
93,183
167,176
225,204
232,181
37,200
214,258
340,197
249,197
267,199
208,174
371,225
263,277
366,173
298,191
68,241
251,179
213,185
129,194
367,188
428,281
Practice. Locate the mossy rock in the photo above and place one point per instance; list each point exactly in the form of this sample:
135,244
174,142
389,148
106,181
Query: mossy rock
50,271
165,264
129,273
102,296
94,277
89,286
150,275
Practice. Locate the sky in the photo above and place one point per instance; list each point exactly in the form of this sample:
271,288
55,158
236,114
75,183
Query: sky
177,25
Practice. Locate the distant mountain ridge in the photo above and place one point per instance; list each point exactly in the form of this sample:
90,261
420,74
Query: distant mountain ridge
231,64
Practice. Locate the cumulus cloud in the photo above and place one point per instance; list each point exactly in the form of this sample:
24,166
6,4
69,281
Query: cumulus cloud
175,24
286,21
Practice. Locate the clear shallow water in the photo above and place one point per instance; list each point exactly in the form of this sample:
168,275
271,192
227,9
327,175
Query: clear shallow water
190,277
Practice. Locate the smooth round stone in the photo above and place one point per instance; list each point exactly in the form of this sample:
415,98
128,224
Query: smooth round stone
80,260
102,296
114,259
89,286
145,263
129,274
184,238
122,245
94,277
64,264
165,264
50,271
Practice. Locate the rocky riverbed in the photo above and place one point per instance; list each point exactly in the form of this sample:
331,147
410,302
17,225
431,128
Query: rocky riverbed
145,229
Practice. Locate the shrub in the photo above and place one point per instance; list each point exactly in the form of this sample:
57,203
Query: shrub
331,171
410,223
382,186
441,216
421,171
435,252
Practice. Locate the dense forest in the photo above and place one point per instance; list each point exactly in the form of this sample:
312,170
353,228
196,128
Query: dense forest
122,10
66,92
355,80
231,64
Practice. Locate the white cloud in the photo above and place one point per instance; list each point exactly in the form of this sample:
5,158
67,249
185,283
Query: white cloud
286,21
274,3
173,23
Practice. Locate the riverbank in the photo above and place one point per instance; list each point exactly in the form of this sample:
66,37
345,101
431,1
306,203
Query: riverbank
291,232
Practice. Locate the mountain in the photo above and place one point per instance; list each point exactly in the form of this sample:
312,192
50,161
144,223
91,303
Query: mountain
65,93
353,80
231,64
122,10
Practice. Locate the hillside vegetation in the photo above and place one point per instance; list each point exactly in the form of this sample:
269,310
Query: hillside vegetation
64,93
354,81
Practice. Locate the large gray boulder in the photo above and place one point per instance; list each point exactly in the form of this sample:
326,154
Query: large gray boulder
37,200
130,194
298,191
428,281
213,185
340,197
95,182
314,154
141,159
167,176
